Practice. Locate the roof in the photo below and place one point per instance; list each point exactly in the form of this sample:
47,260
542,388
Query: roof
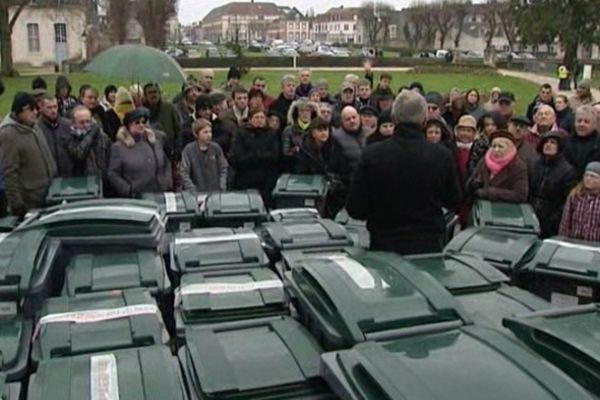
239,8
338,14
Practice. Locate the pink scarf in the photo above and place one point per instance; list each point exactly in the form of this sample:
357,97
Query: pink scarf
496,165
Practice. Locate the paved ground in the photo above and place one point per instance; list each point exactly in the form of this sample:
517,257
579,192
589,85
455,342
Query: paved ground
541,79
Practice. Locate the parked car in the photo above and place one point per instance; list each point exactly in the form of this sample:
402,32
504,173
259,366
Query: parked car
337,52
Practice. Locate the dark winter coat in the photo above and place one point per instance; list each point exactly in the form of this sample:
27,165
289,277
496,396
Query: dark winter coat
186,119
352,145
510,185
90,153
400,188
255,158
533,106
111,124
550,181
326,161
203,171
27,164
138,167
565,119
164,117
580,151
282,106
223,135
303,90
65,105
57,136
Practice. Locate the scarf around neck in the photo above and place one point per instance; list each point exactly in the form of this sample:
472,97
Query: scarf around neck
496,165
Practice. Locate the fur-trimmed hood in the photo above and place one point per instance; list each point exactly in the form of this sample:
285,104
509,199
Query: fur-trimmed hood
293,112
125,137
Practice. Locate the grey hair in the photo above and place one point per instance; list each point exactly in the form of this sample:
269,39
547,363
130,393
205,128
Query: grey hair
409,107
79,108
586,110
287,79
325,105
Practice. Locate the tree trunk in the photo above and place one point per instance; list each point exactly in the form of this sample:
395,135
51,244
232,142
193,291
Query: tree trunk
570,57
442,40
5,41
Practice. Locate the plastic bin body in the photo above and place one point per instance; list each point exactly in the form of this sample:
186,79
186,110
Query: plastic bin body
234,209
215,297
15,341
8,224
566,272
182,209
357,229
372,296
91,273
298,235
273,358
214,249
9,391
568,338
519,218
468,363
147,373
292,191
98,322
293,214
507,251
67,190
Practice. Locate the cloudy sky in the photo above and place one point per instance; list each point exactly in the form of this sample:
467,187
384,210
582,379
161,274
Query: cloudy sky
194,10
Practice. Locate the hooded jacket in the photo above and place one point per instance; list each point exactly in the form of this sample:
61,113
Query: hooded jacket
293,133
27,163
138,166
65,105
550,181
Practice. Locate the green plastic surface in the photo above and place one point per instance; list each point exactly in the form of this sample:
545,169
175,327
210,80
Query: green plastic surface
300,191
294,235
182,209
234,209
518,218
74,189
15,341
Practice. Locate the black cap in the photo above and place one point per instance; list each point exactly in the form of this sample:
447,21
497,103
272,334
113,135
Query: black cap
556,135
521,120
435,98
21,102
134,115
369,110
506,96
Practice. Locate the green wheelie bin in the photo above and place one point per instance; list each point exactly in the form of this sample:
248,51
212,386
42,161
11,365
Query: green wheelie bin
223,296
15,342
97,322
357,229
292,191
182,209
472,362
346,300
68,190
293,214
9,391
234,209
566,272
261,359
567,337
145,373
519,218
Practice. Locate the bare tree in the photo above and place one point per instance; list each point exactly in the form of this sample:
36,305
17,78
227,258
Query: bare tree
413,30
461,10
118,14
443,15
490,16
6,29
508,23
153,15
375,18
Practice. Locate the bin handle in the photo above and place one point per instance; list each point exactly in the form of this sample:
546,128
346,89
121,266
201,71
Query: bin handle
558,312
574,271
413,331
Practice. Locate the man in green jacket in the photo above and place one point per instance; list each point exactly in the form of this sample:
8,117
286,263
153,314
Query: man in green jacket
26,159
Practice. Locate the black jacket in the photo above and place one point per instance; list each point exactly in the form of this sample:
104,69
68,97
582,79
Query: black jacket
579,151
531,108
328,161
550,181
58,136
565,119
255,157
400,187
282,106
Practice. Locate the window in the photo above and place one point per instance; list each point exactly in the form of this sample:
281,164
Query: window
60,33
393,31
346,27
33,37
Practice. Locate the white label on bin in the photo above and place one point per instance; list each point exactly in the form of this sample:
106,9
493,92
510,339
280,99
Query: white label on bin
573,245
170,202
92,316
224,288
3,236
107,209
216,239
104,381
563,300
309,202
585,291
357,272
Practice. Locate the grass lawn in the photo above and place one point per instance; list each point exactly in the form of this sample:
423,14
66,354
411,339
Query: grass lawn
442,82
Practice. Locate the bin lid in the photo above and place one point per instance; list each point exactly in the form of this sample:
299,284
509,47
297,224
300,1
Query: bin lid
248,359
568,257
460,273
96,322
290,235
15,340
241,204
345,219
175,203
147,373
9,391
98,217
229,295
446,365
567,337
293,214
217,248
373,295
74,187
90,273
7,224
500,248
23,255
307,185
290,258
506,216
489,308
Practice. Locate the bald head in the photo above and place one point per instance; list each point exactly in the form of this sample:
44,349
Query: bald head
409,107
82,117
207,76
545,116
350,119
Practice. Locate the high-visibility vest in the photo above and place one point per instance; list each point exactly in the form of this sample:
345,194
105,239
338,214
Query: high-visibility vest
563,72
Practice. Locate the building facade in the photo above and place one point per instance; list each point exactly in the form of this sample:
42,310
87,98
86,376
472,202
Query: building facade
338,25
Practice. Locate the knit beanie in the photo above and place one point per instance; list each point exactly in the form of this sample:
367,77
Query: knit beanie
594,167
21,101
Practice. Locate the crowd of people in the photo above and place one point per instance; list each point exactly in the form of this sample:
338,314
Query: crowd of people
392,156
